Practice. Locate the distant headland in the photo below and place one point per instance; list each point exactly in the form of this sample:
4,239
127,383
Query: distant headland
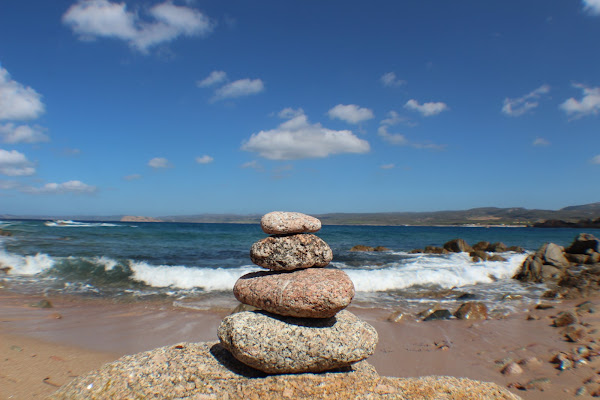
581,216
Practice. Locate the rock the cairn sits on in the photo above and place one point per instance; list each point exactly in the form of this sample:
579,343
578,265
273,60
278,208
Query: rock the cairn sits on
304,327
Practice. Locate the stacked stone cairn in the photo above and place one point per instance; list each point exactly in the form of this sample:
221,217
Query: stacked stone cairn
301,325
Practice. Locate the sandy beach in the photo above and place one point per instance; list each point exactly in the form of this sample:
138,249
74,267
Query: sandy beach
44,348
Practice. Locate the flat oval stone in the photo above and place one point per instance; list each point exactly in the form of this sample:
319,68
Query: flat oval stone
282,345
286,253
309,293
283,223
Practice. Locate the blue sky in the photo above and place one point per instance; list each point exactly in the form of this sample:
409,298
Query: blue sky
184,107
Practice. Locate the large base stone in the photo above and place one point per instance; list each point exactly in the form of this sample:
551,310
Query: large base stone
206,371
281,345
306,293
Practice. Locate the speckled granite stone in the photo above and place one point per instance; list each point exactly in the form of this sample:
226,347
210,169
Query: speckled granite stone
206,371
286,253
308,293
276,344
283,223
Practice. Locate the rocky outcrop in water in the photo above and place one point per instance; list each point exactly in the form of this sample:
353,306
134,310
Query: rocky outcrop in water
478,252
572,272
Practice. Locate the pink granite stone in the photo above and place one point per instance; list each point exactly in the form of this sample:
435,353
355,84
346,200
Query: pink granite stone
309,293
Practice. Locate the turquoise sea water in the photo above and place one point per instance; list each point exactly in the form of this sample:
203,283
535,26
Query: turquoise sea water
203,261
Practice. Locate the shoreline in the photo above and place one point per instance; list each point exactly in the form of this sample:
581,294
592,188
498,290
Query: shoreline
42,348
466,224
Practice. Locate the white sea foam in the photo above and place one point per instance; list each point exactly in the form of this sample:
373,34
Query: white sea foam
180,277
61,223
25,265
108,263
455,270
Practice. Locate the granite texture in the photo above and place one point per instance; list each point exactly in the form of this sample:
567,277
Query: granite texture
280,345
206,371
286,253
308,293
283,223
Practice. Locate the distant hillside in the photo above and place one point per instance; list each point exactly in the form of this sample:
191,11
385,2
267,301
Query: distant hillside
131,218
476,216
593,208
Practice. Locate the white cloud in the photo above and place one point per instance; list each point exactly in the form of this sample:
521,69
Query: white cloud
18,102
522,105
214,78
541,142
592,6
159,162
205,159
350,113
392,138
387,166
297,138
91,19
588,105
426,109
76,187
11,133
390,80
596,159
288,113
132,177
239,88
393,118
13,163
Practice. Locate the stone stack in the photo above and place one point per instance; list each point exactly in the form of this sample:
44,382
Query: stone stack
302,325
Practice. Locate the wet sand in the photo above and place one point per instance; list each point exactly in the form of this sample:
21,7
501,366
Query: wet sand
43,348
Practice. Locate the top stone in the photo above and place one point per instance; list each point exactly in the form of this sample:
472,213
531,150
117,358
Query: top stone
283,223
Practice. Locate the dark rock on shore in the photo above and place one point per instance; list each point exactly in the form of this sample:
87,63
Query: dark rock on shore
361,247
478,252
584,244
457,246
574,271
438,314
473,310
497,247
435,250
481,246
547,264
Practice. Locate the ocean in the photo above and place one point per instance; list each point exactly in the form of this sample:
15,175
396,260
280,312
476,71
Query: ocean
196,265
